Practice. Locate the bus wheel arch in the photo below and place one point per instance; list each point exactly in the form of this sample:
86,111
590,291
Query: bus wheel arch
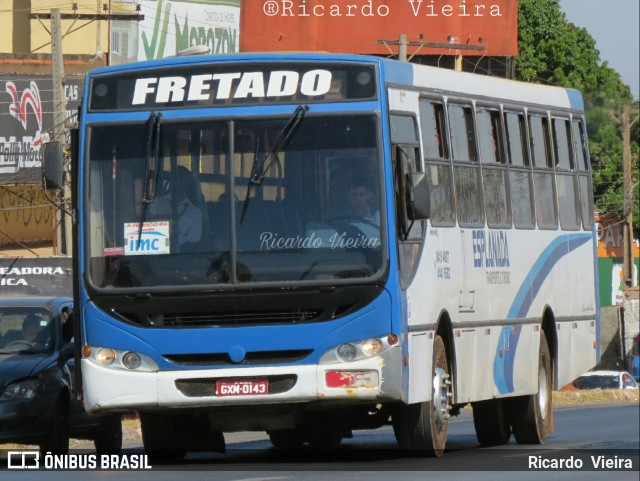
444,329
423,427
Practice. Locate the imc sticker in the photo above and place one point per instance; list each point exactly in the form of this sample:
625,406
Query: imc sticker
153,240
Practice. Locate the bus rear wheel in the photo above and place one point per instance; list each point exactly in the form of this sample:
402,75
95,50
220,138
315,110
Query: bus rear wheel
424,426
491,422
286,438
531,416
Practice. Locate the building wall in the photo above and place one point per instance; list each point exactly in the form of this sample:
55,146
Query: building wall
26,216
610,261
20,34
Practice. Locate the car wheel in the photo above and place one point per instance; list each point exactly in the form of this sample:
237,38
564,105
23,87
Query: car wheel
108,439
56,440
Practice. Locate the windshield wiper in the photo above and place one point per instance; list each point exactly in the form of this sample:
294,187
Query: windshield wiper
151,170
260,168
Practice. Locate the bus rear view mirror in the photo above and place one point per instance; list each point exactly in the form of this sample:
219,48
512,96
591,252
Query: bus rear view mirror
52,165
418,189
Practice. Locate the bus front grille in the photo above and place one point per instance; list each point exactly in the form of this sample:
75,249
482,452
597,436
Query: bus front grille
222,358
202,387
224,319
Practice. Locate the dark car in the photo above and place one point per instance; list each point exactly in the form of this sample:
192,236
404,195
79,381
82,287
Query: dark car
37,403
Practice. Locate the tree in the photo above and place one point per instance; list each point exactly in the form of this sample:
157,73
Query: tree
554,51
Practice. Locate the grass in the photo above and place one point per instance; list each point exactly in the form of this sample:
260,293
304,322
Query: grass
572,397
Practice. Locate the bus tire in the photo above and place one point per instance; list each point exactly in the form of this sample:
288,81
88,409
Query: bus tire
491,422
532,415
423,426
286,438
159,438
108,438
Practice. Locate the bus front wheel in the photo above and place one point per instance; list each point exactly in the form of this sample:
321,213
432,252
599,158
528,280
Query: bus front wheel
531,416
423,426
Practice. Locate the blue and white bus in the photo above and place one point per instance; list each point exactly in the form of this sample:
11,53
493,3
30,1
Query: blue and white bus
369,243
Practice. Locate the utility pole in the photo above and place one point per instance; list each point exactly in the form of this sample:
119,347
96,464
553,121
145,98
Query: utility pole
402,48
63,231
63,220
627,204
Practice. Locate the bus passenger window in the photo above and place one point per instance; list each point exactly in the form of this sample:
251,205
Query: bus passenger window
441,194
489,136
516,139
520,193
567,205
545,200
579,146
468,196
495,197
539,138
433,131
463,143
562,144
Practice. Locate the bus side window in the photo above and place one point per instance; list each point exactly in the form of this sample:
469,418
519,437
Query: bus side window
468,188
543,176
438,165
463,144
494,172
584,179
520,181
565,174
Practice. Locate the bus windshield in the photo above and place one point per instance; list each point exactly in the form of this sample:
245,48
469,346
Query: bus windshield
177,203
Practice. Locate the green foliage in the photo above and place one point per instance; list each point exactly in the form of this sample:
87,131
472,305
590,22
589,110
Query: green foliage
554,51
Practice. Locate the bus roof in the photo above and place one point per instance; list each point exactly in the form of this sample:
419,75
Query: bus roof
445,81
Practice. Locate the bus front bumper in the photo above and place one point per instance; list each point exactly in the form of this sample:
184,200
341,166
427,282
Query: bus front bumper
376,379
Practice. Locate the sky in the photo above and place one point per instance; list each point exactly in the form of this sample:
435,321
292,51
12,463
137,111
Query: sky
615,26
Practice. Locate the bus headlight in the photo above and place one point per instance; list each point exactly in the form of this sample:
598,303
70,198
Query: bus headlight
356,350
117,359
106,356
346,352
131,360
372,347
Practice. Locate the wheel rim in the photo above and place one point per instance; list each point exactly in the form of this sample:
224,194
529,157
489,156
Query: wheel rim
441,397
543,391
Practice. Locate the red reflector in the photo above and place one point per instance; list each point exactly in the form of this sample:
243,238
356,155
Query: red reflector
351,378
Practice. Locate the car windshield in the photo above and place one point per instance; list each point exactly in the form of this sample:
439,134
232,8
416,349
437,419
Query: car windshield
25,330
294,199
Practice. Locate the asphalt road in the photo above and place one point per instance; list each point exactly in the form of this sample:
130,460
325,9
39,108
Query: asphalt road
602,434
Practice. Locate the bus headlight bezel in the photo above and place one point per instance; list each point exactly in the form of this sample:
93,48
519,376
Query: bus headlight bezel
118,359
357,350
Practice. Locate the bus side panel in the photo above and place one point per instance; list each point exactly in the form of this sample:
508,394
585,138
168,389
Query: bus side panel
420,367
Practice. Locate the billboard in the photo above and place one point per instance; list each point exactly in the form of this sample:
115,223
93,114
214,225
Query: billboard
170,26
371,26
26,120
38,276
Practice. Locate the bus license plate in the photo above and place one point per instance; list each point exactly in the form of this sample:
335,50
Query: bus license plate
242,388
